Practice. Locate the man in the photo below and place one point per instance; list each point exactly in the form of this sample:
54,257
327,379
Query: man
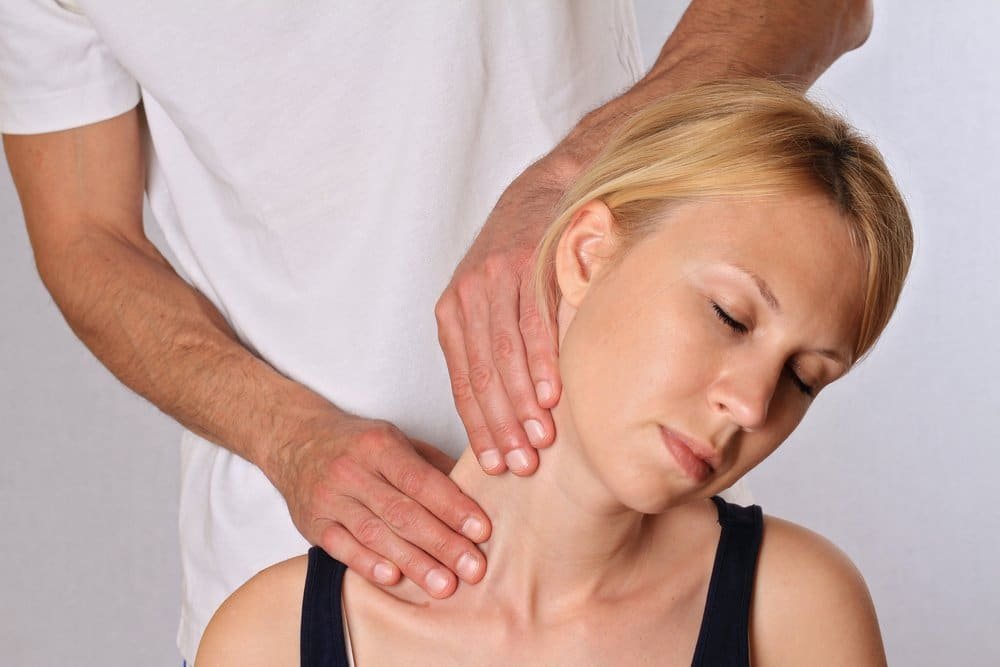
317,171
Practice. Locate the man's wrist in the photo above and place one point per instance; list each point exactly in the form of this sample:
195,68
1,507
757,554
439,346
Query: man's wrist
297,417
719,40
534,194
589,136
544,182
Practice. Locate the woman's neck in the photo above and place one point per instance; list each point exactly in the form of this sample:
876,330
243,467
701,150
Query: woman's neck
560,540
555,543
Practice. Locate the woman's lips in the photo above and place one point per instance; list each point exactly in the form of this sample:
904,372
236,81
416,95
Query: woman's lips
693,466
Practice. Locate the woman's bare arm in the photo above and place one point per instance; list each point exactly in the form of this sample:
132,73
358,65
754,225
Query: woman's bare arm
810,604
259,624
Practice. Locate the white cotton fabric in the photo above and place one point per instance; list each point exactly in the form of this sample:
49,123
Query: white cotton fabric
318,170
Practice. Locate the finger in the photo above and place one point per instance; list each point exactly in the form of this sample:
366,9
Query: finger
452,340
337,541
512,363
542,353
491,394
437,493
412,522
373,533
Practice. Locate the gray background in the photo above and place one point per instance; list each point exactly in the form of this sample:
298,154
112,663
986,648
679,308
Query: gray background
895,465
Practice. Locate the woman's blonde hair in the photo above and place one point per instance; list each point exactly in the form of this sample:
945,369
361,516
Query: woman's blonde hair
749,137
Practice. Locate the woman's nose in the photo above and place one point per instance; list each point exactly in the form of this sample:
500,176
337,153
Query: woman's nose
744,395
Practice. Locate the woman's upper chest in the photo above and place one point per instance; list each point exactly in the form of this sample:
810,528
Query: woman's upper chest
660,627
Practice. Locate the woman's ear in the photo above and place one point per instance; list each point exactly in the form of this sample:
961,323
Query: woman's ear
584,249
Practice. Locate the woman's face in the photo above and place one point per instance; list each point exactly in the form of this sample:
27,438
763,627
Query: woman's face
713,335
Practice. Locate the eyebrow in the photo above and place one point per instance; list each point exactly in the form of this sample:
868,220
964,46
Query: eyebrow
772,301
762,286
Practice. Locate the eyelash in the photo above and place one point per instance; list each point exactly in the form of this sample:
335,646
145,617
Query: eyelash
740,328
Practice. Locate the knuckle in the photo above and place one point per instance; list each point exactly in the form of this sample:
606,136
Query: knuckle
461,388
467,287
503,346
411,481
332,538
530,321
369,439
440,546
378,437
370,532
401,514
505,428
496,266
410,563
480,377
444,308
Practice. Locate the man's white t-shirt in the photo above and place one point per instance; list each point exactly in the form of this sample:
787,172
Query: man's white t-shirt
318,170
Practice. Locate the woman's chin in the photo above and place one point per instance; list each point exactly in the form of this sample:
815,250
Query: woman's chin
653,501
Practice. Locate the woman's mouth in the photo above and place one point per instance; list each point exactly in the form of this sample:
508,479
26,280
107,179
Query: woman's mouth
693,465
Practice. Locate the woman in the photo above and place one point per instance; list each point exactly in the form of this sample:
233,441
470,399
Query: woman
733,251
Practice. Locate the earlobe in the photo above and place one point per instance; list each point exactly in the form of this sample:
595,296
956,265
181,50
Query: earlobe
584,248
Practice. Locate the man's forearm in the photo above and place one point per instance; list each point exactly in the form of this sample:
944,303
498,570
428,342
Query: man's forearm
168,343
785,39
343,477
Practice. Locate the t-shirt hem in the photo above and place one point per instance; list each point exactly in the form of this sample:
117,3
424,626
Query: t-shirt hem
66,109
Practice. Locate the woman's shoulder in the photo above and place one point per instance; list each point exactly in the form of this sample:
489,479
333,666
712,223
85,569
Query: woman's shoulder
259,623
810,603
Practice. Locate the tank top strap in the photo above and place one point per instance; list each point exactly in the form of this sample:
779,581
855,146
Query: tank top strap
724,638
321,642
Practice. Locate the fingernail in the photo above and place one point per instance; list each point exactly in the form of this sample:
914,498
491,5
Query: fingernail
535,432
543,390
437,581
467,566
517,460
472,528
489,459
383,573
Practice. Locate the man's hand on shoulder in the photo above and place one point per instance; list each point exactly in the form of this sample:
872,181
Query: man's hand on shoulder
361,490
810,603
356,487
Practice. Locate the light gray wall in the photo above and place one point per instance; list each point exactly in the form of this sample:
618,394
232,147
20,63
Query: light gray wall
896,465
89,566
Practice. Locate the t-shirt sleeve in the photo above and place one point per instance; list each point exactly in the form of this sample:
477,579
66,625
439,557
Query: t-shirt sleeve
55,71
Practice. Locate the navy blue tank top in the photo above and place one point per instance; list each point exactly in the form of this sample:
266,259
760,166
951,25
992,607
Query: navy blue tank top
723,640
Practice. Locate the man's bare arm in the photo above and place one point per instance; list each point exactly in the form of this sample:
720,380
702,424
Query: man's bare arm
81,191
789,40
502,362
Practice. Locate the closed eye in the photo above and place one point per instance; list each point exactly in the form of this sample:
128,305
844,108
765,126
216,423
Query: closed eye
741,328
738,327
803,387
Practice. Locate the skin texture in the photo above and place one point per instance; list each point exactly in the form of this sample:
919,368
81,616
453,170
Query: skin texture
502,362
358,486
579,572
734,392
